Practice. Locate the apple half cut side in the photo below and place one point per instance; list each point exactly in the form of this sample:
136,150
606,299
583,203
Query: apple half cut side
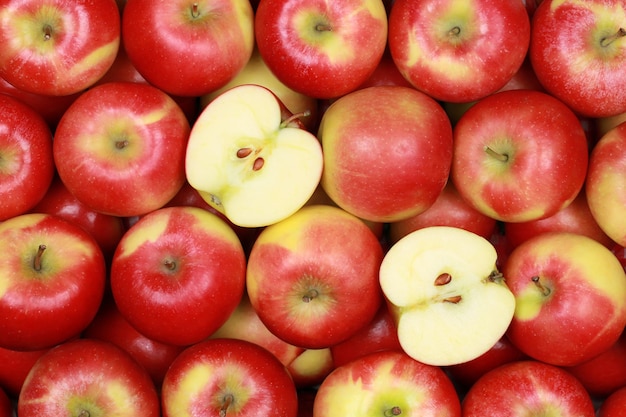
249,160
448,300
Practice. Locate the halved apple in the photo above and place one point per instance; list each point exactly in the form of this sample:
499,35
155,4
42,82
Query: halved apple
448,300
251,159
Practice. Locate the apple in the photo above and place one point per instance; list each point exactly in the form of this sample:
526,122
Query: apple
6,404
52,280
248,150
577,50
319,48
449,302
575,217
16,364
87,377
605,185
313,277
386,73
614,405
386,383
387,152
199,46
519,155
458,50
57,47
570,294
449,209
109,325
307,367
228,377
526,388
177,274
26,161
120,148
257,72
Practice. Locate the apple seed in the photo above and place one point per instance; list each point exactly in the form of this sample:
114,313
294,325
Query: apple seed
455,299
243,152
544,290
37,261
607,40
258,164
393,411
443,279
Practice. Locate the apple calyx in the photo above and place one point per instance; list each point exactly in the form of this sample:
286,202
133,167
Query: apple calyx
310,295
47,32
454,32
607,40
393,411
227,401
38,257
502,157
544,290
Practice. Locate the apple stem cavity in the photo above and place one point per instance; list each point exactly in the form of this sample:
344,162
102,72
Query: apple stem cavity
170,264
295,116
310,295
393,411
544,290
47,32
455,31
227,401
121,144
606,41
195,11
323,27
84,413
502,157
38,257
443,279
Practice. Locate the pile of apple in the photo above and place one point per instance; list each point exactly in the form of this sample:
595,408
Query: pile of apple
312,208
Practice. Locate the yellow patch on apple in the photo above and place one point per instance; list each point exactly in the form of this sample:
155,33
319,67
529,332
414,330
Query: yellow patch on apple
96,57
150,233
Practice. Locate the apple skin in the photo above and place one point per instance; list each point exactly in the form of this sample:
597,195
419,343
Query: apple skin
524,179
614,405
488,49
317,268
177,274
26,161
605,185
319,48
570,293
52,280
386,383
128,141
60,47
525,388
214,40
570,60
387,152
87,377
202,377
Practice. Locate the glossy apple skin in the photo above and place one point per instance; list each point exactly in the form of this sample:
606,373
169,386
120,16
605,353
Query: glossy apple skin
259,382
376,383
605,185
110,326
27,164
87,372
16,365
214,45
513,389
578,310
321,249
81,49
185,267
491,46
387,152
568,58
540,176
40,308
128,142
614,405
318,63
575,217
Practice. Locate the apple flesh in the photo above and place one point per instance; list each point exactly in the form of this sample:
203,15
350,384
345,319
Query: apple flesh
448,300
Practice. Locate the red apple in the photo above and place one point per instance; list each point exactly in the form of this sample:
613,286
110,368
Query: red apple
178,274
52,279
458,50
386,73
614,405
87,377
26,161
525,388
519,155
387,152
199,46
228,377
313,277
577,50
120,148
16,365
319,48
570,294
386,383
57,47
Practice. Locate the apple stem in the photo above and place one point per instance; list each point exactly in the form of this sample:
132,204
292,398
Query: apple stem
195,11
393,411
502,157
323,27
258,164
443,279
121,144
606,41
305,113
84,413
310,295
37,261
496,276
226,403
544,290
47,32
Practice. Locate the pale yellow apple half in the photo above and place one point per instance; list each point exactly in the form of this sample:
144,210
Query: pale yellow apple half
449,302
249,165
